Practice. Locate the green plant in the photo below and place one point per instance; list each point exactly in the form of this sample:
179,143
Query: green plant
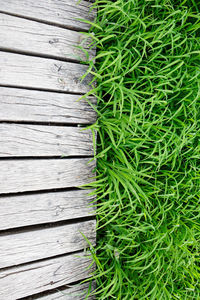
148,149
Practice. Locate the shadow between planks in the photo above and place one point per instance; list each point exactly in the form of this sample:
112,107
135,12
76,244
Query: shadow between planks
75,292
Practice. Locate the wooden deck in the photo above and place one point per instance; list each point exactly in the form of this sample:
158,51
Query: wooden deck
44,152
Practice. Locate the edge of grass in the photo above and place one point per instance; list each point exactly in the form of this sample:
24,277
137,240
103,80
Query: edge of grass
147,74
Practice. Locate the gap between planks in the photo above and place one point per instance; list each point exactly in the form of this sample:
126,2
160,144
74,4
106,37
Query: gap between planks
75,292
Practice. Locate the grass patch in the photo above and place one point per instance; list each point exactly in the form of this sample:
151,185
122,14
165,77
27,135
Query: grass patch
148,150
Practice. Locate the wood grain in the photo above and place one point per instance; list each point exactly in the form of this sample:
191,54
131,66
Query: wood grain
38,85
33,278
21,35
77,292
25,210
48,107
42,73
32,175
28,246
31,140
63,13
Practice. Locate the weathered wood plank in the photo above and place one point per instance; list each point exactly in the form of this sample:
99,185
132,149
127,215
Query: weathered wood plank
64,13
22,247
31,140
77,292
38,106
32,175
17,34
25,210
30,279
42,73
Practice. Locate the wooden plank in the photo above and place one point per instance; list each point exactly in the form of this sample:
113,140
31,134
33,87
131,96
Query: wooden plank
38,106
30,279
31,140
32,175
63,13
77,292
42,73
17,34
19,211
22,247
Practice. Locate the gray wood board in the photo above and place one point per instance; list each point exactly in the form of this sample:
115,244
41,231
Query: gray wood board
32,175
32,140
33,278
77,292
42,73
39,106
48,207
22,247
21,35
64,13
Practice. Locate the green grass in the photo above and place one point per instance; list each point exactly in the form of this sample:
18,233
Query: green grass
148,149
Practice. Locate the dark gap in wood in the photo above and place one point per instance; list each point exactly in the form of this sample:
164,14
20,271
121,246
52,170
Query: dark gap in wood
38,227
42,89
73,28
52,190
40,55
61,124
58,157
77,252
51,292
48,91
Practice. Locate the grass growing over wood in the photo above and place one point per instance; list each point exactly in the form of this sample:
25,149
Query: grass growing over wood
148,150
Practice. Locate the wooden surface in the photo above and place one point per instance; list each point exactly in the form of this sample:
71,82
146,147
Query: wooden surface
44,152
77,292
63,13
32,140
44,243
21,35
49,207
44,107
42,73
42,174
33,278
